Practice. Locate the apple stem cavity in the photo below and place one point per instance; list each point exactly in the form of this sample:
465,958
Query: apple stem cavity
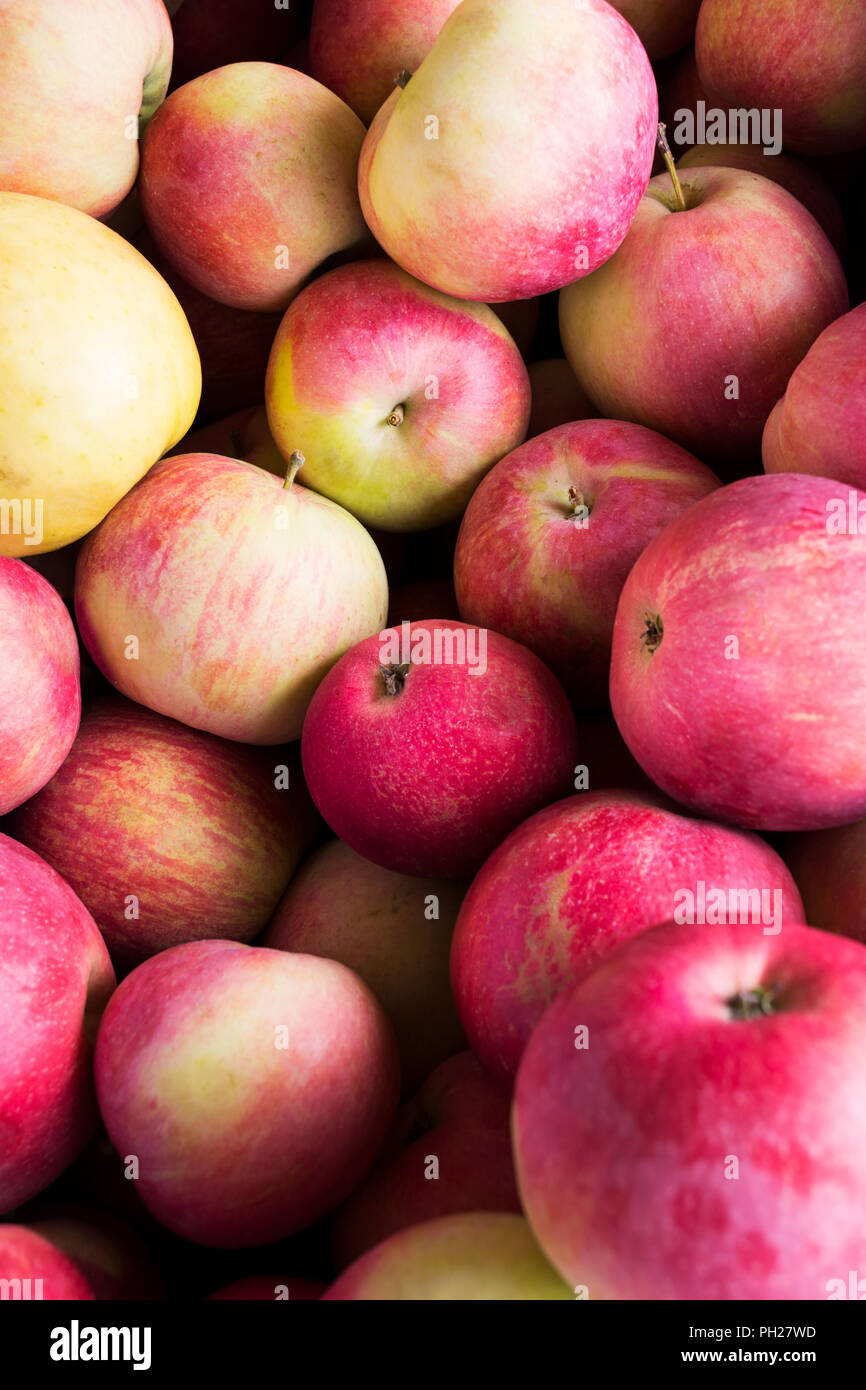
403,78
394,678
671,167
753,1003
397,416
296,461
651,638
577,502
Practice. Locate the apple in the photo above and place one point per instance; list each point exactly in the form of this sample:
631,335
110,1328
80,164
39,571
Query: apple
36,1269
358,47
113,1259
830,869
399,397
663,26
426,744
805,57
470,1257
819,425
486,196
55,979
449,1151
260,586
266,152
578,879
688,1121
737,675
423,598
210,33
392,930
99,374
40,694
551,533
80,81
719,301
254,1087
167,834
268,1287
557,399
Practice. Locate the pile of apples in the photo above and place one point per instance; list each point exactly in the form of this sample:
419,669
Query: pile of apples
432,651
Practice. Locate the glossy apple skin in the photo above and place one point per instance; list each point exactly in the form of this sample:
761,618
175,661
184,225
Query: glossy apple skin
460,1117
557,399
505,203
830,870
191,825
266,151
263,1288
485,751
357,47
819,425
807,57
471,1257
25,1254
343,907
663,26
262,587
367,338
241,1141
40,692
743,242
766,733
71,76
571,884
55,978
625,1149
523,567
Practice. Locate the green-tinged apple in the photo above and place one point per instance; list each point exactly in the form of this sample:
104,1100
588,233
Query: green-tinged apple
99,373
239,592
399,397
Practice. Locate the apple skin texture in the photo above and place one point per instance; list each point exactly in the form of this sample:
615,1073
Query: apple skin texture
429,780
544,146
819,425
571,884
197,563
738,675
40,693
742,242
367,338
626,1148
241,1140
55,979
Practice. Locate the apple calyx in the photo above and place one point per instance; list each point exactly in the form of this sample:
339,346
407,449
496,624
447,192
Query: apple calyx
397,416
662,142
753,1003
296,461
403,78
653,632
394,677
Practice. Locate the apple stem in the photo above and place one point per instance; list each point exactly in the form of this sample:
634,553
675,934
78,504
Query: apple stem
394,678
397,416
671,167
296,461
403,78
577,501
753,1003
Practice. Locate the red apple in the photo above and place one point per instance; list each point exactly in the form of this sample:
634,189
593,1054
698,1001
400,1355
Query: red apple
55,978
718,301
236,593
819,425
557,399
575,881
269,1287
40,695
449,1152
166,834
551,533
31,1267
426,744
254,1087
689,1120
738,678
830,869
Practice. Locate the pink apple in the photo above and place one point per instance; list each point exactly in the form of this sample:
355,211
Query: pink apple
255,1087
449,1151
819,425
392,930
557,399
551,533
830,869
210,33
248,182
663,26
804,57
426,744
79,83
486,196
167,834
688,1121
578,879
55,978
269,1287
36,1269
113,1259
238,594
738,678
400,398
718,301
358,47
40,695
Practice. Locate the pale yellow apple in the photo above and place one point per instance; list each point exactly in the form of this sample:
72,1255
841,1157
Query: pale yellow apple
99,373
